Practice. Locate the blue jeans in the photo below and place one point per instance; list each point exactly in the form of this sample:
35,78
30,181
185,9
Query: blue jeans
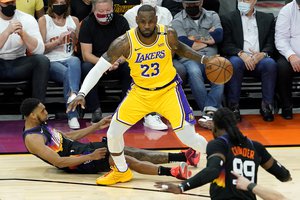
67,72
197,78
265,70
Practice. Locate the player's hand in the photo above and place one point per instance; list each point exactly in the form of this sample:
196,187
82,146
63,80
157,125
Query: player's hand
79,100
104,123
98,154
295,62
241,182
168,187
207,59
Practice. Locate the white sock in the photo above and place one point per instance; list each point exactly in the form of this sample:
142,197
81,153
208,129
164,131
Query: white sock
120,162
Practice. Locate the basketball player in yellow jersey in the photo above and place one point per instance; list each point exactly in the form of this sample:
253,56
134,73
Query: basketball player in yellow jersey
156,87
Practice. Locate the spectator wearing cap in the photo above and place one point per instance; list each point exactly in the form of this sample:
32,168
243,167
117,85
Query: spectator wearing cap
201,30
19,32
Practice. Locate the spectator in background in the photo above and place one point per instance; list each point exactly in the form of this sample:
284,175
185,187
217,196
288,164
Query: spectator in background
201,30
249,43
121,6
81,8
19,32
164,17
60,31
32,7
97,31
175,6
287,40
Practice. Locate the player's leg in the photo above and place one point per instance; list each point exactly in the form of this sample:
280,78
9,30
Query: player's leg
156,157
175,108
143,167
129,112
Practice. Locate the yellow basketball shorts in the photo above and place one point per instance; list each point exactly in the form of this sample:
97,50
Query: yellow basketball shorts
170,102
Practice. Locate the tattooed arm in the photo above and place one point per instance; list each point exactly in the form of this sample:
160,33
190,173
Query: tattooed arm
120,47
182,49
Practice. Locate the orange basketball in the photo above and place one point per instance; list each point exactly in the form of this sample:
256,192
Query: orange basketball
219,70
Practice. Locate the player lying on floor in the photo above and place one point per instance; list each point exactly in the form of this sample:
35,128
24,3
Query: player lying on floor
65,152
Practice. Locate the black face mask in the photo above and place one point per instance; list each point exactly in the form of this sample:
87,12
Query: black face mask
59,9
9,10
192,11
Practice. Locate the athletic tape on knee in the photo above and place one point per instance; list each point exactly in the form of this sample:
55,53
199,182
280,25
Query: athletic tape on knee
94,75
189,137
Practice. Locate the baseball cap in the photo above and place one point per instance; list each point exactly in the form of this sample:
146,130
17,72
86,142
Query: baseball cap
6,1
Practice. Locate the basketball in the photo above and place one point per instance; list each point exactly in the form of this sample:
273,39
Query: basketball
219,70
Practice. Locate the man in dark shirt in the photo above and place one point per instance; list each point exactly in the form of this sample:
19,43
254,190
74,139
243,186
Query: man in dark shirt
97,32
230,151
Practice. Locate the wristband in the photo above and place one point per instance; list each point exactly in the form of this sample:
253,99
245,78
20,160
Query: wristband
181,188
81,94
251,186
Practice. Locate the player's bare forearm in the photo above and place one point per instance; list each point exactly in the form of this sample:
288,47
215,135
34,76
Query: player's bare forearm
182,49
187,52
78,134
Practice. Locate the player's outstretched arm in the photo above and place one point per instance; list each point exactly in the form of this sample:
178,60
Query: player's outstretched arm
78,134
243,183
118,48
184,50
35,144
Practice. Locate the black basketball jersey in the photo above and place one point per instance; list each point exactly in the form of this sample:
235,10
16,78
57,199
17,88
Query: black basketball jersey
241,159
66,147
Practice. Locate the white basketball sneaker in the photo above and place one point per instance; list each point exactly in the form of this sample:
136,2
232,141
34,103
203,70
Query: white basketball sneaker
154,122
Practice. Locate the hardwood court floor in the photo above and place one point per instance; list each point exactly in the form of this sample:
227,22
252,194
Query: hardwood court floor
23,176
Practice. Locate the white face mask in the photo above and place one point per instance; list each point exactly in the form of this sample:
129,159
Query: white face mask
244,7
150,2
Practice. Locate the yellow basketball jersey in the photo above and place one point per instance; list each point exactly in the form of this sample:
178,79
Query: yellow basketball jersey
151,66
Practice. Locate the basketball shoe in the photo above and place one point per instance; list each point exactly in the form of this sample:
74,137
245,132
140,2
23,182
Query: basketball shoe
192,157
181,171
114,176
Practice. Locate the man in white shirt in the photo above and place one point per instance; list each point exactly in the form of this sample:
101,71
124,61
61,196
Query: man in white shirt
164,17
287,41
19,34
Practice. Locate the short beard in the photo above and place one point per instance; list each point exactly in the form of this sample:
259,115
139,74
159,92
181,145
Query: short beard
148,35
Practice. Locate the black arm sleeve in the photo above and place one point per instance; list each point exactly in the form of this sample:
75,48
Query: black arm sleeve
207,175
279,171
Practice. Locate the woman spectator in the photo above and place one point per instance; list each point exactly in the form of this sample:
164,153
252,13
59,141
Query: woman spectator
60,31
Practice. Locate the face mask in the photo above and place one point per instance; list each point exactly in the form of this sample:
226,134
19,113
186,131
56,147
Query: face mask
9,10
244,7
104,19
150,2
192,11
59,9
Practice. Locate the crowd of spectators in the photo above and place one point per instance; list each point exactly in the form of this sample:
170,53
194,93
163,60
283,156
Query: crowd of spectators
61,40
